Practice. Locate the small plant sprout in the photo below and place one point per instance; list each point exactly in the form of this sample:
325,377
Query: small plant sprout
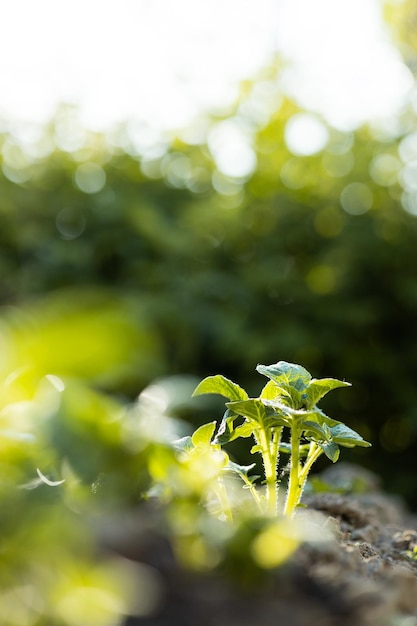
287,405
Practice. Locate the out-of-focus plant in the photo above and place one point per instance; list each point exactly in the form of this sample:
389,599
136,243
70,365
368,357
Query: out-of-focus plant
66,455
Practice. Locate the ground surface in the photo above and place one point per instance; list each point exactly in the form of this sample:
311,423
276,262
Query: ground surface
366,577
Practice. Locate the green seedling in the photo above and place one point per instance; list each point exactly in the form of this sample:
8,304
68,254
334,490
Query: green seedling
286,404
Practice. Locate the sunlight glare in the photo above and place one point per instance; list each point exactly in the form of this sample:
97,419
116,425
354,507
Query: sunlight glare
305,134
342,63
164,63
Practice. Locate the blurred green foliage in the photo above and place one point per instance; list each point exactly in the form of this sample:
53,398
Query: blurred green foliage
308,258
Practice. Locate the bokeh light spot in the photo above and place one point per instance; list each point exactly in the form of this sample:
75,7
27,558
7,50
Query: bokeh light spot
409,203
409,176
305,134
384,169
338,165
321,279
231,147
90,177
408,148
70,222
16,165
356,198
339,142
224,185
176,169
293,173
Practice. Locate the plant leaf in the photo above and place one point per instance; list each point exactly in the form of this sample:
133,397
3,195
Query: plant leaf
203,435
228,432
226,428
184,444
221,385
242,470
244,430
330,449
286,375
272,392
345,436
254,409
288,414
318,388
318,432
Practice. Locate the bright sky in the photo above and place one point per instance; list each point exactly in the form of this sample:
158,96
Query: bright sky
162,61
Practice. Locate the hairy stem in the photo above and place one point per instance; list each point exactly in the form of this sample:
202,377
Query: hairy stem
275,443
269,451
294,480
313,454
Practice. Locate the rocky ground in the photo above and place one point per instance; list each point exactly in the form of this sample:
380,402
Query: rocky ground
367,577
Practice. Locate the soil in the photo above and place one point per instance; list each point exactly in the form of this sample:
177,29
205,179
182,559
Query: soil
367,577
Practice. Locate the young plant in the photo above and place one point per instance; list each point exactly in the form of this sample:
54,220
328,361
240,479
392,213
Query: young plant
288,402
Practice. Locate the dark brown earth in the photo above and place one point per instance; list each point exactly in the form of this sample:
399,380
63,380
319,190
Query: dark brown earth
367,577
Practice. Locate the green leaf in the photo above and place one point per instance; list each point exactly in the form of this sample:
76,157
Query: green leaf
221,385
184,444
289,415
228,432
286,375
242,470
345,436
226,428
254,409
315,430
272,392
276,420
203,435
244,430
318,388
331,450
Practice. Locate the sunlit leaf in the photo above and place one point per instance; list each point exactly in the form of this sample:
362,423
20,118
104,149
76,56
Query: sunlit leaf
226,428
318,388
243,430
272,392
345,436
184,444
220,385
203,435
254,409
331,450
286,374
314,430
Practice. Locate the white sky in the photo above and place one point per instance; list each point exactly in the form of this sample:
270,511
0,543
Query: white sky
162,61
